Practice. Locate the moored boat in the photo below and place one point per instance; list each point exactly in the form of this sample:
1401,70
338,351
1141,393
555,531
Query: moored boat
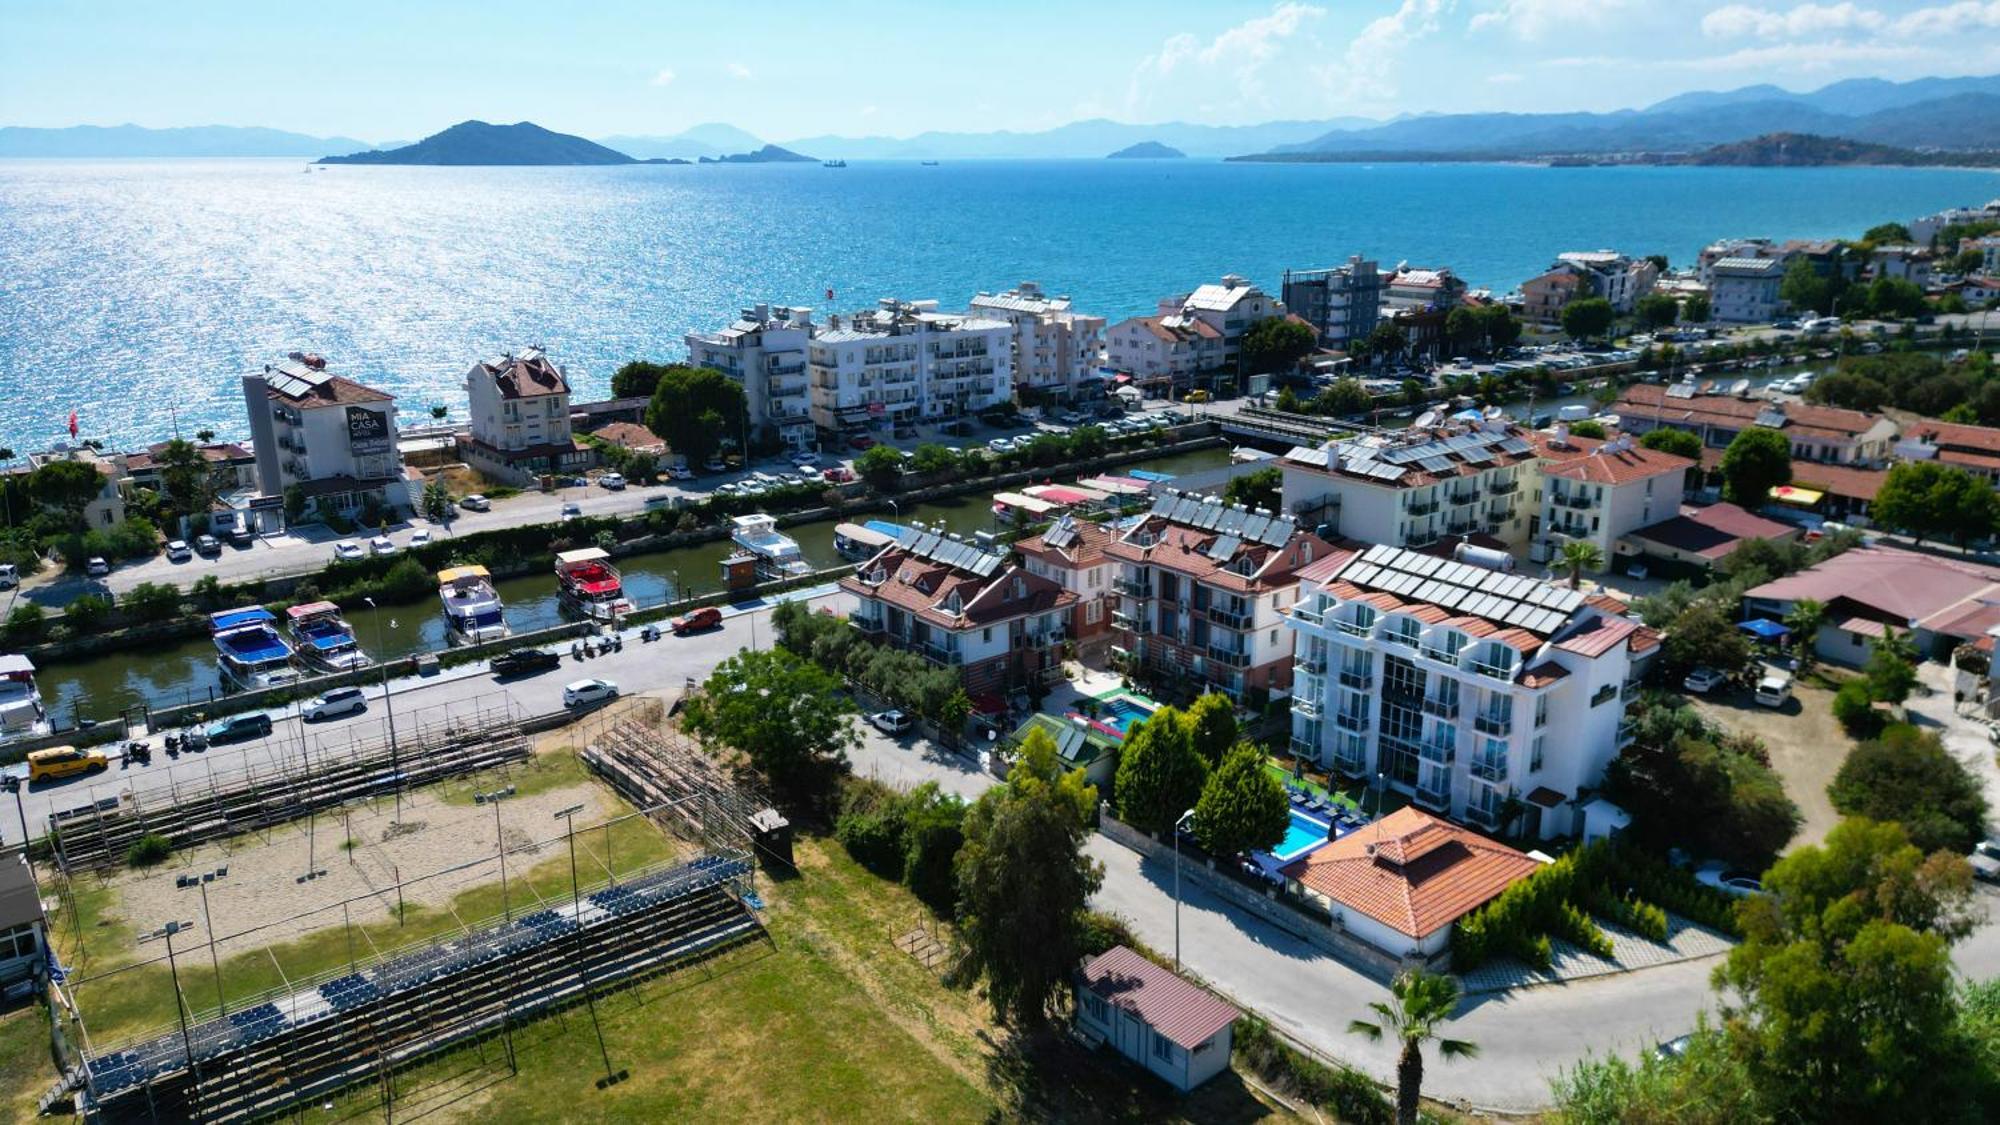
324,638
777,554
21,712
249,650
589,585
471,607
859,541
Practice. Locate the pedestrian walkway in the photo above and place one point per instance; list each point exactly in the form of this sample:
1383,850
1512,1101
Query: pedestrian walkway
1685,942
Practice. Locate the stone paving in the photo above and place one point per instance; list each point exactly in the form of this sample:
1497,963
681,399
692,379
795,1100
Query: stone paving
1685,942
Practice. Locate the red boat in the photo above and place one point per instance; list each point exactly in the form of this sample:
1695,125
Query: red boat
590,585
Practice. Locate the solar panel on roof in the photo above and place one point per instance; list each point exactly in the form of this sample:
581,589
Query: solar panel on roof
1223,547
1491,581
1436,464
1380,552
1521,614
1681,390
1432,592
1515,445
1233,522
1548,621
1363,573
1255,527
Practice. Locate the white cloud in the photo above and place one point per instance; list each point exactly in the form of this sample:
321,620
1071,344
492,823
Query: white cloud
1949,19
1804,57
1736,21
1532,19
1231,68
870,110
738,70
663,78
1367,71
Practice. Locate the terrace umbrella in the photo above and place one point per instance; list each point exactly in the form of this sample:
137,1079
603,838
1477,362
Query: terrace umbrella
1765,629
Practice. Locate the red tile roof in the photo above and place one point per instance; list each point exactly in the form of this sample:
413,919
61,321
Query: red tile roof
1543,674
1178,1009
1598,637
526,376
1621,467
1955,435
923,588
1086,550
631,435
1646,400
1411,871
1844,481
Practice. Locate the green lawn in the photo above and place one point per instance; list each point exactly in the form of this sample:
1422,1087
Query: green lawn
1354,795
26,1069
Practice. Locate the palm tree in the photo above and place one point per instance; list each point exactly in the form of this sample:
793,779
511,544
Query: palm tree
1423,1001
1804,621
1579,556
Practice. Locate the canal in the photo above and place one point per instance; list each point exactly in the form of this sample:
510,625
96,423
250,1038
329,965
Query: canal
177,672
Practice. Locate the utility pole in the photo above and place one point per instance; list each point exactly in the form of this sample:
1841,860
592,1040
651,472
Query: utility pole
388,706
201,880
568,817
499,843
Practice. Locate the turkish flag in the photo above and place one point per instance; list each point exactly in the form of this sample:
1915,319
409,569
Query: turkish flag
72,423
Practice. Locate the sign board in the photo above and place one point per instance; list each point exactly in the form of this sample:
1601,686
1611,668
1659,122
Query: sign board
368,431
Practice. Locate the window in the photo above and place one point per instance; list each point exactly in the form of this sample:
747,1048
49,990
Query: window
1542,711
1163,1047
986,634
1535,755
18,942
1097,1008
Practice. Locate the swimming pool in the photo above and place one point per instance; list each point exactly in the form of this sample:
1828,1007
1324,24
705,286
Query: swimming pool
1302,835
1120,712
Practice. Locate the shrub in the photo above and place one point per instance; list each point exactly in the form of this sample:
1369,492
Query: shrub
148,850
1908,776
87,612
1100,933
26,621
1855,708
153,601
1350,1095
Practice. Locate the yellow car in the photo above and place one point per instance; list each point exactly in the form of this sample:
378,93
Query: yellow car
63,761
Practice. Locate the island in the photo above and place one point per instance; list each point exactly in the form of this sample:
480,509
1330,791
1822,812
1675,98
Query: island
1805,150
769,154
1148,150
471,143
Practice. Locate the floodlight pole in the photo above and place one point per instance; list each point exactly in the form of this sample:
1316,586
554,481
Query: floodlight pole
388,707
215,963
500,845
187,1040
1184,818
568,817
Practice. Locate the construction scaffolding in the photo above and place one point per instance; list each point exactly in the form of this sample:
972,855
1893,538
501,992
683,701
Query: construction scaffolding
292,776
690,793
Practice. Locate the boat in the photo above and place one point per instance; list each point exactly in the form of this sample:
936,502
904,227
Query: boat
471,608
859,541
833,164
589,585
21,712
1021,508
928,163
249,650
324,638
777,554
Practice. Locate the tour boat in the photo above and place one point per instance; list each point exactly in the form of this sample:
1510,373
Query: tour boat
859,541
777,554
21,712
325,640
249,650
471,608
590,585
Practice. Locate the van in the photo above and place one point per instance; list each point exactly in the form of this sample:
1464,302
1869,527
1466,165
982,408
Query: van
1773,689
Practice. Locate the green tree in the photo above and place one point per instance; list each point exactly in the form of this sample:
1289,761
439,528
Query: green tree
1501,326
932,458
1850,389
1657,310
1695,309
1703,637
1159,773
1211,723
1288,400
933,832
1590,428
1261,488
1024,882
695,410
26,621
67,486
1275,343
1893,297
152,601
1461,326
1243,807
879,465
1387,340
1689,785
1344,397
204,436
1804,289
1757,461
184,477
1587,318
1925,499
86,612
1907,776
1579,555
1840,998
1892,667
1421,1003
436,502
787,716
1886,232
640,378
1805,620
1680,443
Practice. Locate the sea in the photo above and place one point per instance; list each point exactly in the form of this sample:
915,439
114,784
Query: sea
136,293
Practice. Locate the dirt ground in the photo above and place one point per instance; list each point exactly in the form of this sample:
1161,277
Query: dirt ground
262,893
1806,743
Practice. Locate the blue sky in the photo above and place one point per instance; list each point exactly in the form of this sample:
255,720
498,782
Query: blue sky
780,69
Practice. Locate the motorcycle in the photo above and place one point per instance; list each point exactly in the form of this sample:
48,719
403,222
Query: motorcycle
649,634
194,740
138,751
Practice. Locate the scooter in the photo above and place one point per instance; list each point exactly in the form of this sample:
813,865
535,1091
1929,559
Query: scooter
138,751
194,740
576,651
649,634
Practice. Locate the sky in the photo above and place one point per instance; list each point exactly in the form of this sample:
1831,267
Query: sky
782,69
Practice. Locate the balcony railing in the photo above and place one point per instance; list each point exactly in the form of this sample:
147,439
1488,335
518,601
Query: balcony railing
1500,726
1626,732
1238,620
1461,527
939,655
1312,664
1229,657
1407,640
1421,509
1494,671
1443,656
1348,720
1308,614
1132,589
1604,694
1304,749
1442,708
867,624
1349,760
1467,496
1436,794
1433,750
1306,705
1360,679
1488,819
1490,769
1572,501
1503,487
1124,621
1354,628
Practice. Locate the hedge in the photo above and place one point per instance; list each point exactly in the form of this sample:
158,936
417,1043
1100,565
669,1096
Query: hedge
1352,1096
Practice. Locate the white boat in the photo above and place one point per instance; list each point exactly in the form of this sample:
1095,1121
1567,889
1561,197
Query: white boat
777,554
249,650
325,640
859,541
590,585
471,608
21,712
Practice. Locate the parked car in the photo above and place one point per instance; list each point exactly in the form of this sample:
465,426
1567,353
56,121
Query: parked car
178,551
348,550
839,474
421,537
1729,880
96,567
10,576
571,512
335,703
891,722
613,481
1774,688
525,662
236,728
207,545
586,693
63,761
695,620
1985,860
676,472
860,441
714,465
1701,681
382,545
476,502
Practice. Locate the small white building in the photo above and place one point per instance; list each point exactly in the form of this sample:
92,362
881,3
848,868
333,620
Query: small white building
1418,486
520,419
1600,491
1178,1030
1745,290
1056,349
23,929
765,350
328,436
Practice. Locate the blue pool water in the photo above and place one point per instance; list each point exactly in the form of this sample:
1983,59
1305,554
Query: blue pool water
1301,836
1121,713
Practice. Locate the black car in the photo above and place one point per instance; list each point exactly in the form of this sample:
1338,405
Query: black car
525,662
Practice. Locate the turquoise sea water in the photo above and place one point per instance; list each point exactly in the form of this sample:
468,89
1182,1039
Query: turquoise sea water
129,286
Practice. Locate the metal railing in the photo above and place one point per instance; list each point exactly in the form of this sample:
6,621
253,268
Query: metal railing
1309,616
1306,705
1442,656
1349,761
1485,818
1494,671
1436,794
1441,708
1441,753
1407,640
1489,769
1354,628
1348,720
1302,749
1503,487
1313,665
1131,588
1359,678
1500,726
1229,657
1229,618
1422,509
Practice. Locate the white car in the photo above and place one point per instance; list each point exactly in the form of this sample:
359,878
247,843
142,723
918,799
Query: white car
178,551
477,502
382,545
338,702
1001,445
804,460
890,722
613,481
675,472
348,550
1701,681
585,693
1729,880
96,567
571,512
420,538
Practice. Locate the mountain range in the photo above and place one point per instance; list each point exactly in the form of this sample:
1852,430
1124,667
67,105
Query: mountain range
198,140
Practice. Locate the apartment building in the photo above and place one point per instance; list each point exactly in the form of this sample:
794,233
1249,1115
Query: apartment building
1071,554
962,607
1618,278
1714,252
1341,303
327,436
905,362
1745,290
765,350
1976,449
1417,487
1545,295
1163,351
1423,288
1903,262
108,506
1926,228
1202,587
1989,250
1056,349
1489,697
1824,434
520,427
1600,491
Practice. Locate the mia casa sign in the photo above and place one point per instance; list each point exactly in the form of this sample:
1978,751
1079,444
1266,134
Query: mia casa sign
368,431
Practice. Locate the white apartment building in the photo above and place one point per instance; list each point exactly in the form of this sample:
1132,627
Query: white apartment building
328,436
1163,350
1465,688
1732,248
1418,486
1420,288
1989,249
1342,303
905,362
765,350
1903,262
1745,290
1616,277
1600,491
1927,227
520,427
1055,348
1230,308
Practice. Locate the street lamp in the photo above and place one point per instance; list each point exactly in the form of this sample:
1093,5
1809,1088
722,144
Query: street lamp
201,880
388,706
499,842
1178,825
568,817
13,785
180,1009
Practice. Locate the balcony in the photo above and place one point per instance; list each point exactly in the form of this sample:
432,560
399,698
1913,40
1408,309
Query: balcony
1309,615
1497,519
779,366
1347,720
1435,793
1407,640
1499,726
1604,694
1489,819
1442,656
1355,628
1350,760
1125,621
1490,768
1312,665
1433,750
1494,671
1440,708
1301,748
1465,496
939,655
867,624
1503,487
1416,540
1238,620
1578,502
1360,679
1626,732
1423,509
1132,589
1461,527
1228,657
1307,706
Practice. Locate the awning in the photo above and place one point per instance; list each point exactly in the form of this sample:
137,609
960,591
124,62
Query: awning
1766,628
1024,503
1792,494
1121,379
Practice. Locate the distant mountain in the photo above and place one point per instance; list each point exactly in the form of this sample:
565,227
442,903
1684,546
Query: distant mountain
1082,140
709,140
200,140
1798,150
769,154
1147,150
478,143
